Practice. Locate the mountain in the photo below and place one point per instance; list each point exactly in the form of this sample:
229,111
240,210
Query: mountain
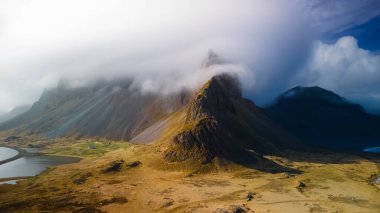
214,123
211,59
110,109
219,123
321,117
13,113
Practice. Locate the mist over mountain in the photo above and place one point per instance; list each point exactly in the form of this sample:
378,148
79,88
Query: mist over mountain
116,109
105,109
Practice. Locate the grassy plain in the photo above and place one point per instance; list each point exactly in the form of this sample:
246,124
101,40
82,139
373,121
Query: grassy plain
332,182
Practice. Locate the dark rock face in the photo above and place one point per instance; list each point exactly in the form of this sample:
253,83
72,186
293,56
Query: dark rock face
323,118
199,142
215,97
133,164
114,166
82,178
216,127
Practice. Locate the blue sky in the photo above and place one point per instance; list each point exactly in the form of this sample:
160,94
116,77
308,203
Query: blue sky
272,45
367,34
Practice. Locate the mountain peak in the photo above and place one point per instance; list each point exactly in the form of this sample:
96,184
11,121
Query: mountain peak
211,59
200,137
215,96
321,117
314,92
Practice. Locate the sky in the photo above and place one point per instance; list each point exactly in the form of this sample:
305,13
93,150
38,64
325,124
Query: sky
272,45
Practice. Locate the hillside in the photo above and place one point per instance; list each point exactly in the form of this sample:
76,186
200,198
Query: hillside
110,109
323,118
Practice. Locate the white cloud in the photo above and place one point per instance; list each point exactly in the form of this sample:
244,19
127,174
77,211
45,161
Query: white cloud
344,68
334,16
170,83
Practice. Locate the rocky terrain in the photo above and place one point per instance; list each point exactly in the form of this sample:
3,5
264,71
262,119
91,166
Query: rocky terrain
219,123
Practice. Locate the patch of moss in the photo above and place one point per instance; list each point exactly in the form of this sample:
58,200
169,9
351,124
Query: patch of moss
86,149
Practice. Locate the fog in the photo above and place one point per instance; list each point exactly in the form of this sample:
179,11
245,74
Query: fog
161,44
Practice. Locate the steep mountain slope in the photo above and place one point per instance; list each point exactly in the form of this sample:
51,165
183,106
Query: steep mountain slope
220,123
320,117
13,113
106,109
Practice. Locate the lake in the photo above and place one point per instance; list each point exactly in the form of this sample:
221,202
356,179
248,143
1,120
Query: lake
6,153
32,163
372,149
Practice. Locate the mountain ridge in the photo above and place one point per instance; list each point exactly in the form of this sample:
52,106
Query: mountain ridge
112,110
323,118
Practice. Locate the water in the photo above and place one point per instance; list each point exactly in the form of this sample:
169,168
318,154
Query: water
31,164
6,153
372,149
377,180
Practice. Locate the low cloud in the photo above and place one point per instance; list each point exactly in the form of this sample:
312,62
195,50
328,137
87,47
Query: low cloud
167,84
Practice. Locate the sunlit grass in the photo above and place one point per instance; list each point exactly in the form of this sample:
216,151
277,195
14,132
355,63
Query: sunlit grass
86,149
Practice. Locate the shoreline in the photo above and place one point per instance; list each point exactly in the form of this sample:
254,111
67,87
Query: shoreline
20,154
14,178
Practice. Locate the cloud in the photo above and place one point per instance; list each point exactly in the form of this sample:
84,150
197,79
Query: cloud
167,84
344,68
334,16
158,43
154,42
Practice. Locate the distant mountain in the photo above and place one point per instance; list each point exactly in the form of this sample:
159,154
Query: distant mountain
111,109
321,117
13,113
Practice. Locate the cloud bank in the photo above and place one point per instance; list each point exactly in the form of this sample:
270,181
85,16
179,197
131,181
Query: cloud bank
154,42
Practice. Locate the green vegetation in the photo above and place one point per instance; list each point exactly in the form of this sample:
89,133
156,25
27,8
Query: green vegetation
86,149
